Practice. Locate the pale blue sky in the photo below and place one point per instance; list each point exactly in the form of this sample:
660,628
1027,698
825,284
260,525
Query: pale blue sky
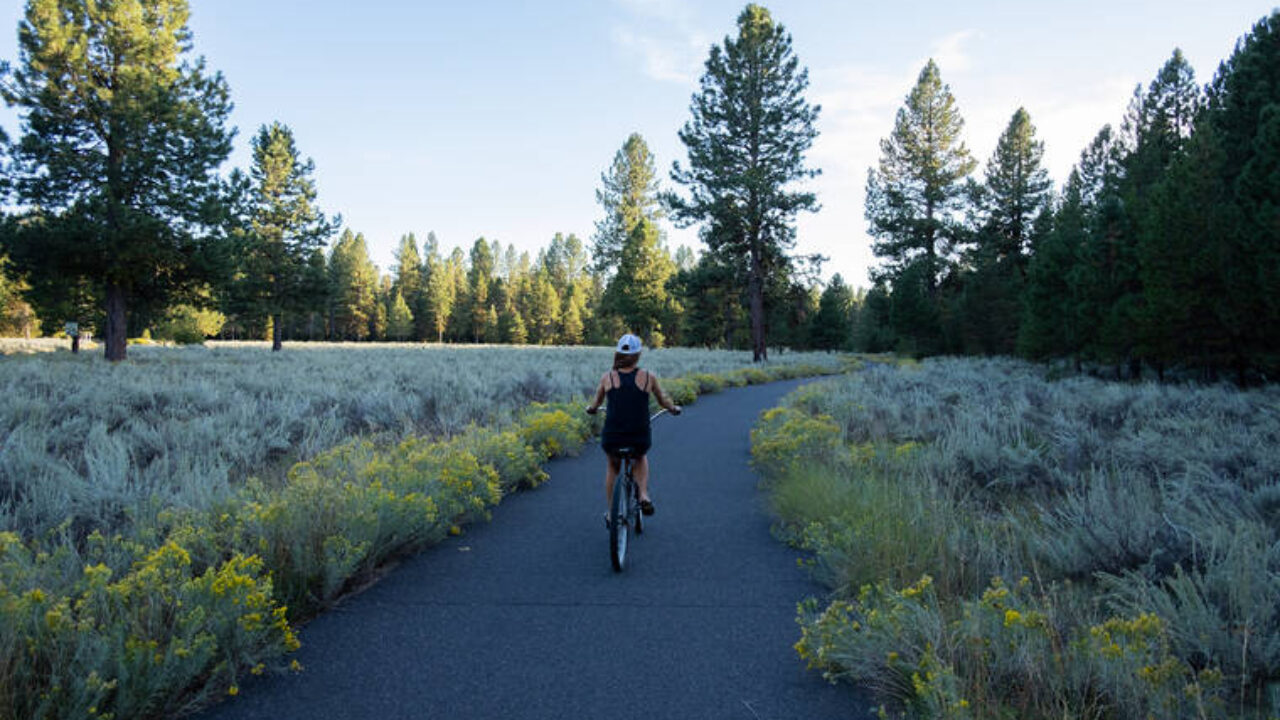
496,119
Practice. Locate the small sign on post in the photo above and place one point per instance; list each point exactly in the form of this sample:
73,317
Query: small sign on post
73,332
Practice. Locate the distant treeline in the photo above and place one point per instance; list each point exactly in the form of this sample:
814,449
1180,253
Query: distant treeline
1162,251
494,293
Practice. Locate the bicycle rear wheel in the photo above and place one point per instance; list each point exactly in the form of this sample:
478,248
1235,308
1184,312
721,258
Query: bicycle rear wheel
633,509
618,520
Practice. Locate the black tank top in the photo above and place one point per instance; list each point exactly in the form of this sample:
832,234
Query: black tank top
627,415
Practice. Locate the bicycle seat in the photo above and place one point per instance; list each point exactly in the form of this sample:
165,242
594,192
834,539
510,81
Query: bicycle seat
625,452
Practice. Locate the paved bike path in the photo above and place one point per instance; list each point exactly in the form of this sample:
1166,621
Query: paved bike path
525,618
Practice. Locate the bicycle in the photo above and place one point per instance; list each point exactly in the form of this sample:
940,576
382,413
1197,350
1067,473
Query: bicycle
624,509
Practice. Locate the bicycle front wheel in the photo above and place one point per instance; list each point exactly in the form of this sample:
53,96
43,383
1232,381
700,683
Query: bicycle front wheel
618,522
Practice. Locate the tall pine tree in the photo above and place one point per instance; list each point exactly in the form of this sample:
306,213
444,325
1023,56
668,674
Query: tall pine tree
284,228
628,194
915,194
1012,198
914,199
747,139
121,137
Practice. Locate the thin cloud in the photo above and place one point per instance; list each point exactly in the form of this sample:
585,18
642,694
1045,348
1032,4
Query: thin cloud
664,35
950,53
661,59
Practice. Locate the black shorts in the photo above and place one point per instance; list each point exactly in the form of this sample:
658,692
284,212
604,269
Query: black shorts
639,446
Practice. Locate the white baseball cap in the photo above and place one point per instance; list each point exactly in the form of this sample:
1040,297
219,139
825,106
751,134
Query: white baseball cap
629,344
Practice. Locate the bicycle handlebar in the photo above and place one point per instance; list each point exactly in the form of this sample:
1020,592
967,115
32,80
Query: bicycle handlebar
652,417
661,412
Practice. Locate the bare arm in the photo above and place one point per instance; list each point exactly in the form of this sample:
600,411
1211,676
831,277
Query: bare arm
662,397
594,407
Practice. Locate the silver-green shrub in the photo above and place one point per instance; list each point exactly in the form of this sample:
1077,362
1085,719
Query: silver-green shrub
184,426
1151,511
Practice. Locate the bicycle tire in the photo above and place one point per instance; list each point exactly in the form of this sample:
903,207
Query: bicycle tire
618,521
634,512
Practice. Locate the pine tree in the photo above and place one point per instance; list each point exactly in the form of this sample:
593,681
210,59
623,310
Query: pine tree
400,319
1017,189
572,327
710,293
354,280
1095,277
915,194
628,194
637,293
479,277
1241,109
410,283
832,327
1183,283
875,323
1159,123
316,293
284,228
122,136
1013,196
1156,128
511,327
380,316
1049,318
544,311
440,295
750,130
460,322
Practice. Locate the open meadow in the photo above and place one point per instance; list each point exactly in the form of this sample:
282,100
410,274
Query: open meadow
181,426
164,522
1000,545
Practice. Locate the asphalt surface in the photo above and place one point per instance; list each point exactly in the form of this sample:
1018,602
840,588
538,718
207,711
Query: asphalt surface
525,618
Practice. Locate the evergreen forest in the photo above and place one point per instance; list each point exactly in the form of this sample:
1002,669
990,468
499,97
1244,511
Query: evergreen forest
1158,256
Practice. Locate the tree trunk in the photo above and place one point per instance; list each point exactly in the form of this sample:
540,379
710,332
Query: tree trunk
759,353
116,339
277,332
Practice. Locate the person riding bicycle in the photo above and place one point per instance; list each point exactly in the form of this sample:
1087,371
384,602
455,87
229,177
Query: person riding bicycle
626,420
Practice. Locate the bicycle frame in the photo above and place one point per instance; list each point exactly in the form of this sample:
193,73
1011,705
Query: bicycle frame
624,513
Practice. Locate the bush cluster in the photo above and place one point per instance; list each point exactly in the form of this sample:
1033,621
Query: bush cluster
1000,545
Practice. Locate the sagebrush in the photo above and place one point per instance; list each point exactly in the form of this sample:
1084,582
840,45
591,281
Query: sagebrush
999,543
